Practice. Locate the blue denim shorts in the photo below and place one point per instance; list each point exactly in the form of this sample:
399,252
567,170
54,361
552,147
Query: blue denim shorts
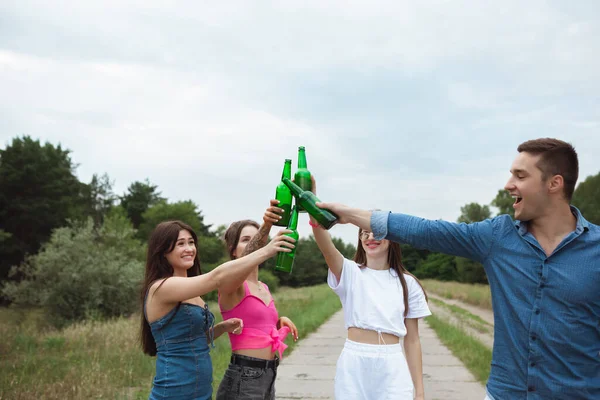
248,378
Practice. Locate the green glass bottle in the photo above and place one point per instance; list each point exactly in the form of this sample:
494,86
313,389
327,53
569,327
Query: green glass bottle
285,261
302,175
307,199
283,194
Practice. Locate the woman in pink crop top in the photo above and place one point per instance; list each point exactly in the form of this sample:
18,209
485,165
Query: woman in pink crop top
382,304
256,351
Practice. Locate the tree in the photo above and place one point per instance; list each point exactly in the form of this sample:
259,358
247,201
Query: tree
504,202
38,193
437,266
82,272
185,211
310,267
470,271
101,198
412,257
587,198
140,197
474,212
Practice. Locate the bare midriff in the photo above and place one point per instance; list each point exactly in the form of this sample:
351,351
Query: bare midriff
371,337
265,354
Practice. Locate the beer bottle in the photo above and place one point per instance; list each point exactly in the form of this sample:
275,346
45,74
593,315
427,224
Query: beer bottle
283,194
302,175
285,261
307,199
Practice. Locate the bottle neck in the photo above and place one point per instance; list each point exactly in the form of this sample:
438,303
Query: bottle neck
301,159
287,170
293,219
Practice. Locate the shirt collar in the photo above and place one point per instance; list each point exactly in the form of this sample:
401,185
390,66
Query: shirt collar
582,223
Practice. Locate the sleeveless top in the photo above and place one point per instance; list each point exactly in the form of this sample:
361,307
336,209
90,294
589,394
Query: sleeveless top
260,323
183,364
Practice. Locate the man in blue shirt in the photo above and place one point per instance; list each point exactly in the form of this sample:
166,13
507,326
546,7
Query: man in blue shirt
543,270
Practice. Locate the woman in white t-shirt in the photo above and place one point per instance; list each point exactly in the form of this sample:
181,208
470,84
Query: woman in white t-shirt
382,304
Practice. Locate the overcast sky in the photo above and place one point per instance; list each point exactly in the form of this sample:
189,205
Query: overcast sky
417,107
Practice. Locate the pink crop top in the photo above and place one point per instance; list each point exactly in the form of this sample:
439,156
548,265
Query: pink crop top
260,324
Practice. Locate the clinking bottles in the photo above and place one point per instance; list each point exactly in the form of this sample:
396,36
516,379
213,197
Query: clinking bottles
285,261
283,194
302,175
307,200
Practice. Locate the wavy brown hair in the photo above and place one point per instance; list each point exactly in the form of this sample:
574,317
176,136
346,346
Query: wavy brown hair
394,260
231,237
162,241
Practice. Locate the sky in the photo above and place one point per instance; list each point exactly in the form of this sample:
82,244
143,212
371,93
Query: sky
413,107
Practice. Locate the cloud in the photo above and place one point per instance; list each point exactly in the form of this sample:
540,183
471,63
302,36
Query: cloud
415,107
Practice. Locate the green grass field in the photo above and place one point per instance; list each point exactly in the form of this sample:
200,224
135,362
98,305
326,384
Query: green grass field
103,360
475,294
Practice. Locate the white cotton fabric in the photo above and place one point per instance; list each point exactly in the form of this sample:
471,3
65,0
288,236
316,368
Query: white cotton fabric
372,372
373,299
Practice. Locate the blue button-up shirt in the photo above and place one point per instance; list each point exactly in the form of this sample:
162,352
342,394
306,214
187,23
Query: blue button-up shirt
546,308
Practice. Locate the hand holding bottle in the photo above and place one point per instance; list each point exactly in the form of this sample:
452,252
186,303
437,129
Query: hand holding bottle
280,243
273,213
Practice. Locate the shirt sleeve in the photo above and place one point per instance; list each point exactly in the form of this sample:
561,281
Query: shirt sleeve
417,303
342,287
472,241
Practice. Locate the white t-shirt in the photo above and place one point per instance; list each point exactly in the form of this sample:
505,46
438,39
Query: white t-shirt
373,299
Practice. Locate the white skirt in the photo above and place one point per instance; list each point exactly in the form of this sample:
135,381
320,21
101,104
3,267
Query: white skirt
372,371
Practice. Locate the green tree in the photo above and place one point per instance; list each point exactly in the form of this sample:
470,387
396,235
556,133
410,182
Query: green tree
474,212
101,197
587,198
38,193
504,202
140,197
470,271
412,257
310,267
185,211
82,272
437,266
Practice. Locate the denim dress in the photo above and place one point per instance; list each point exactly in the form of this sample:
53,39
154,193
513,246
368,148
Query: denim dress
183,365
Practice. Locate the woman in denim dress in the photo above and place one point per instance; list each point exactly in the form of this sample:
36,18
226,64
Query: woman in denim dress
176,325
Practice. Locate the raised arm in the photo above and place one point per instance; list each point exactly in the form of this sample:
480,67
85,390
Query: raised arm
231,273
333,257
472,241
259,240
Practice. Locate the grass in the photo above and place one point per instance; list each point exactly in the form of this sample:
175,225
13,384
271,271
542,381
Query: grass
103,360
465,316
475,294
475,355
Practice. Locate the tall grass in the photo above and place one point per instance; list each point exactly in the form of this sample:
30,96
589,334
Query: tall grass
475,294
103,360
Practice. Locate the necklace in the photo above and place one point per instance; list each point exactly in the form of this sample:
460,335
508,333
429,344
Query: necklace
258,285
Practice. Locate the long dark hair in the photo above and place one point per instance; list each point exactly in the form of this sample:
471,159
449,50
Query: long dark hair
162,241
232,235
394,259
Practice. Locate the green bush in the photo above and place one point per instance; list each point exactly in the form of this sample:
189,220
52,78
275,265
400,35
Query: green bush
82,273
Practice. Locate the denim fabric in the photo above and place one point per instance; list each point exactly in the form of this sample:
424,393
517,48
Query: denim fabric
546,308
183,364
247,383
